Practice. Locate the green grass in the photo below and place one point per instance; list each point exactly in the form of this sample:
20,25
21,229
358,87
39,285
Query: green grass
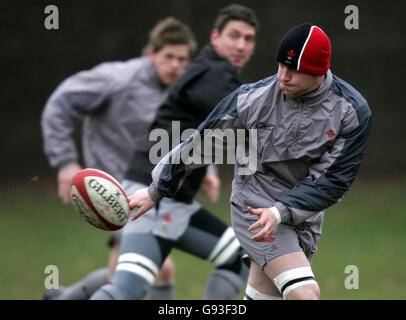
37,230
366,229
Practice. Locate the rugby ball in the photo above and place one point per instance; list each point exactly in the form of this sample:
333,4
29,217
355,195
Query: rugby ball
100,199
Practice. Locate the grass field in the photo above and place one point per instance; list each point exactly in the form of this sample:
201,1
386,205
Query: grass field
365,230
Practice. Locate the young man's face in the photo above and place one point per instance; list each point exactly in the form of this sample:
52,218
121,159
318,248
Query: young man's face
236,42
294,83
170,62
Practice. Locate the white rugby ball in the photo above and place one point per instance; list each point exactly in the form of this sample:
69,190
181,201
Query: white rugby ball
100,199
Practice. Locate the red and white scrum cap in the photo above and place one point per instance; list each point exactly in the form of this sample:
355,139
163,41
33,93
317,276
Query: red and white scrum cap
306,48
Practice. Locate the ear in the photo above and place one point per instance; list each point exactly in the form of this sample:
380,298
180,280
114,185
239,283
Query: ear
150,52
214,37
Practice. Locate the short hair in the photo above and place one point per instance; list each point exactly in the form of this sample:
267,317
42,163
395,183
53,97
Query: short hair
173,32
236,12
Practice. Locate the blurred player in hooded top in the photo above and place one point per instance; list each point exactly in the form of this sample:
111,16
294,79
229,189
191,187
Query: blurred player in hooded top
181,222
117,102
311,133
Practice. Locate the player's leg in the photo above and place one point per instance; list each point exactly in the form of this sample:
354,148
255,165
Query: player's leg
114,244
293,276
83,289
260,286
281,256
210,238
163,287
141,256
80,290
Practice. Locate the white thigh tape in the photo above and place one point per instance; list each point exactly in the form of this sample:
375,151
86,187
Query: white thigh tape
139,265
138,258
224,239
225,248
253,294
136,269
296,285
293,278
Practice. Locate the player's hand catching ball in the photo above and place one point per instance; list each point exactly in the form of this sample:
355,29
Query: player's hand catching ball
267,220
141,200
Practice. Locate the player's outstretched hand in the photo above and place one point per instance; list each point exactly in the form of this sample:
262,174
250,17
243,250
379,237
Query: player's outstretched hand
141,200
267,220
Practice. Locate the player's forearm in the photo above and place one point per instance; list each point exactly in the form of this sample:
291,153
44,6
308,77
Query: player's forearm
57,130
154,193
168,175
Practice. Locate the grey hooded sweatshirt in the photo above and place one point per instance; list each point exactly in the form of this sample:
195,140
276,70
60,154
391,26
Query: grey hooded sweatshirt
117,102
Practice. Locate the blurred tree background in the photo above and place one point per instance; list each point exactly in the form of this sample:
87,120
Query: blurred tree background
35,60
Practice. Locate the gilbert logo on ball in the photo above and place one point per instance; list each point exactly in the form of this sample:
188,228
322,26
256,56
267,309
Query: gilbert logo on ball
100,199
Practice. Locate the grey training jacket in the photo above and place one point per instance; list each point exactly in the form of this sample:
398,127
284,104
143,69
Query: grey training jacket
117,102
308,149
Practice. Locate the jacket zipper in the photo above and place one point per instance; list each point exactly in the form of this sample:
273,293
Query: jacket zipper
298,121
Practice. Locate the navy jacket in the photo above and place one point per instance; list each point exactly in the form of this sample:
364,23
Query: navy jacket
206,80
